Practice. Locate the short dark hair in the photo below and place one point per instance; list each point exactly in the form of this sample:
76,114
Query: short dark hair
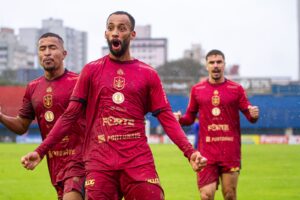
131,19
215,52
49,34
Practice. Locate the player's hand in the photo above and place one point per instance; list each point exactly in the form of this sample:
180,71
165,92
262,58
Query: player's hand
254,111
30,160
197,161
177,115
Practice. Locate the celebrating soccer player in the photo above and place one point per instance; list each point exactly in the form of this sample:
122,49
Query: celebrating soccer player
116,92
217,101
45,99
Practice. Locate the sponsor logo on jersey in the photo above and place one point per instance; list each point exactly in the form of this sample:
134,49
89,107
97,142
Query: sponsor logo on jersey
49,116
116,121
90,182
49,89
218,127
216,111
153,180
118,98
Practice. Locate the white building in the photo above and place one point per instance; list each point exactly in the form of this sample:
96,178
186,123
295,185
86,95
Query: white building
152,51
13,55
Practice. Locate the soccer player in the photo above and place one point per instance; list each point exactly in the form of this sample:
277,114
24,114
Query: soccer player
45,99
217,101
115,92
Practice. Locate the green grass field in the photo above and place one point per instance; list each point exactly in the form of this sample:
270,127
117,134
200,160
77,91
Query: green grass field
269,172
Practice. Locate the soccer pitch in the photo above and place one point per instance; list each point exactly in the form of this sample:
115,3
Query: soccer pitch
269,172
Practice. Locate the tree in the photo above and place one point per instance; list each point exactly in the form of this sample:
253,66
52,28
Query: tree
182,68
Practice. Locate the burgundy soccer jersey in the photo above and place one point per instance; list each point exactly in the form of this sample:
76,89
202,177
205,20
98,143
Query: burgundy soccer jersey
117,96
46,101
218,107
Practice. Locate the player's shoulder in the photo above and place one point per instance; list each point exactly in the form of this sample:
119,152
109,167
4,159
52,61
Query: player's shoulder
97,63
201,84
36,81
145,66
232,84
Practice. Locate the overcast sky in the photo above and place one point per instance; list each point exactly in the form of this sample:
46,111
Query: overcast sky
259,35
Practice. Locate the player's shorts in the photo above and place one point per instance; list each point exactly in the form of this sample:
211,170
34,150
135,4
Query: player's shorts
212,172
140,182
70,184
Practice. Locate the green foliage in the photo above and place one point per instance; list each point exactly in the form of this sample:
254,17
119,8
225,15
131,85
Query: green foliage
182,68
269,172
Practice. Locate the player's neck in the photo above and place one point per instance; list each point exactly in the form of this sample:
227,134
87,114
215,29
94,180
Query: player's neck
51,75
125,57
216,81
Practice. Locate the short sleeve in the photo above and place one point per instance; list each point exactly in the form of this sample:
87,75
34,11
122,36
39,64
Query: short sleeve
27,111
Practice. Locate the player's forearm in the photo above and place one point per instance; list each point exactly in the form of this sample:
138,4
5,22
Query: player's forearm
175,132
14,124
187,119
61,127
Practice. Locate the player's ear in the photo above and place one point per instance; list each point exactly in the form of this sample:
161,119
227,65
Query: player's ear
133,34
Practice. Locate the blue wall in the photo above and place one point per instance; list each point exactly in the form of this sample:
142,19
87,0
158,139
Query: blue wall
276,111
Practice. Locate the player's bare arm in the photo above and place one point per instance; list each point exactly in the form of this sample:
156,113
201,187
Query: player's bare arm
16,124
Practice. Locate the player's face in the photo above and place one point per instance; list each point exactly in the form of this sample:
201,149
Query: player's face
118,35
51,53
215,65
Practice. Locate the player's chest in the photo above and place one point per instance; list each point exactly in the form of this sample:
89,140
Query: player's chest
216,97
50,96
124,81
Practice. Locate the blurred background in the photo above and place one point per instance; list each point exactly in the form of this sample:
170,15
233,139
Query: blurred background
260,39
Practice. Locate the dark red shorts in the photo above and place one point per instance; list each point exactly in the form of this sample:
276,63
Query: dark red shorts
213,171
70,184
140,182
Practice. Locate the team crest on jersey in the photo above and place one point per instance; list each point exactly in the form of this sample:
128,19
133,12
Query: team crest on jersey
118,98
48,101
119,82
215,99
49,116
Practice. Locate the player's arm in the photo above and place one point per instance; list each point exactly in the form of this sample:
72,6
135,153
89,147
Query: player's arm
251,112
17,124
176,134
191,112
61,129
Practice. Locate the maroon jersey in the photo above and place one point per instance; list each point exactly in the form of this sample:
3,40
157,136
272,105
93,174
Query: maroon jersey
46,101
218,107
117,96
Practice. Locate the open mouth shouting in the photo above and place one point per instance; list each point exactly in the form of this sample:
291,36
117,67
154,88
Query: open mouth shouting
116,45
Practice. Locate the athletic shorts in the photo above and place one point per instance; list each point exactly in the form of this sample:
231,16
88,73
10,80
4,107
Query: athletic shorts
70,184
212,172
140,182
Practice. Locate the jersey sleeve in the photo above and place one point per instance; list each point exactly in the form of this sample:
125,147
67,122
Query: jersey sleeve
244,104
191,112
81,89
175,132
158,98
27,111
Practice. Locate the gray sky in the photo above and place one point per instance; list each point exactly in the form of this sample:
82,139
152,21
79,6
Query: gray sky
259,35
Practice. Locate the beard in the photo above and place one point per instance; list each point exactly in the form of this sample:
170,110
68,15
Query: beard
49,68
123,49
